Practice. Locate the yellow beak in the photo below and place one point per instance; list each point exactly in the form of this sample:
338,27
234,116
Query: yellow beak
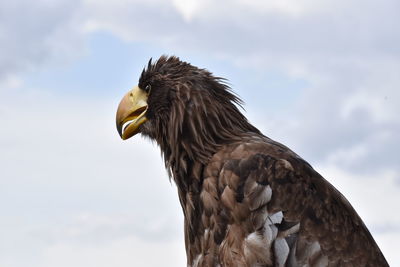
131,113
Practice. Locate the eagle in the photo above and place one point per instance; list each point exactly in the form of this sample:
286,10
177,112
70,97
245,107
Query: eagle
247,200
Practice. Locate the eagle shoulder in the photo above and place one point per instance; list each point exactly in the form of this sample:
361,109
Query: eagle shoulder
262,205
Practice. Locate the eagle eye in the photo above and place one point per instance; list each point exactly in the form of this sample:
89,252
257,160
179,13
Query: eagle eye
147,89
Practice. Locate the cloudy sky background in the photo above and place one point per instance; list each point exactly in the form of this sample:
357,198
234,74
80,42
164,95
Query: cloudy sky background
319,76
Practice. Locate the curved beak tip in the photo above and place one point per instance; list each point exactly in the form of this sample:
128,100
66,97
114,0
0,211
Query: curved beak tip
119,129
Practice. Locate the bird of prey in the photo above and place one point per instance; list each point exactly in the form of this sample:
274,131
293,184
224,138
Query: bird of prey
247,200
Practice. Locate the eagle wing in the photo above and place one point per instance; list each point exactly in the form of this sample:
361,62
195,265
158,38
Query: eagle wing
262,205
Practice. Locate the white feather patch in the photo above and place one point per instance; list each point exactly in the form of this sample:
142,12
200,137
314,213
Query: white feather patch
274,231
276,217
281,250
270,230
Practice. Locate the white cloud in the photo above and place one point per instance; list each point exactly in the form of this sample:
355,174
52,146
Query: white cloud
10,81
72,193
187,7
34,33
287,7
127,251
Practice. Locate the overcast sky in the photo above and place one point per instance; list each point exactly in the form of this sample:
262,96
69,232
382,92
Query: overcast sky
319,76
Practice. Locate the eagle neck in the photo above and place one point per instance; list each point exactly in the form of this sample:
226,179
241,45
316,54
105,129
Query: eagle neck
202,118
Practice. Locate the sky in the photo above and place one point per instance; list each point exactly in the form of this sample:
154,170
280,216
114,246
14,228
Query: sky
322,77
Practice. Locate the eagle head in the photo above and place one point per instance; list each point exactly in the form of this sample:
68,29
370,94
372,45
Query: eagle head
162,87
181,106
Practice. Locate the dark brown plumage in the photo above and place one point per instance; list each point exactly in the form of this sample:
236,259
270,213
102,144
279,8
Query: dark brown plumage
247,200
